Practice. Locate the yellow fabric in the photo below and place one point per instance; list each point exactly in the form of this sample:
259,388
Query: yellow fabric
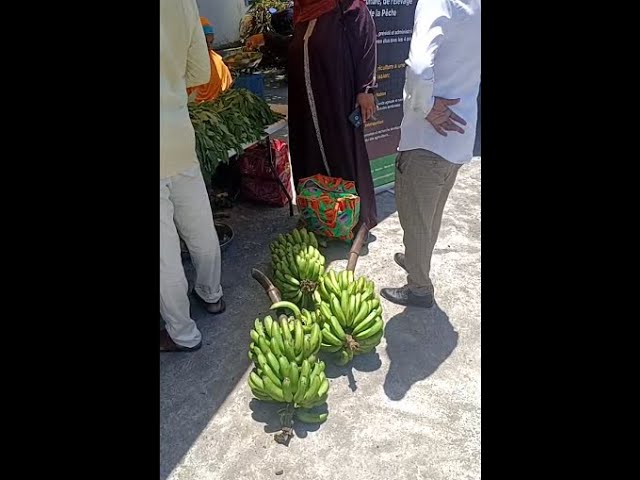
204,21
219,82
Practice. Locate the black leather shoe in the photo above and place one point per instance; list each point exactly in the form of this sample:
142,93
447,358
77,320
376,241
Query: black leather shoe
404,296
399,258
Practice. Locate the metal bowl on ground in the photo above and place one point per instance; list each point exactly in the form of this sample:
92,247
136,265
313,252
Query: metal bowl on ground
225,234
225,237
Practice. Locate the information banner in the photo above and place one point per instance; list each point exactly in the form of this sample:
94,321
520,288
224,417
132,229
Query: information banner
394,23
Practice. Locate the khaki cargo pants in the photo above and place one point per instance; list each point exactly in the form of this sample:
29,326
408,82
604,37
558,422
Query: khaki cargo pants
423,183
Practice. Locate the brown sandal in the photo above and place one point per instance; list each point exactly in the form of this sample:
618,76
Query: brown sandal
168,345
213,308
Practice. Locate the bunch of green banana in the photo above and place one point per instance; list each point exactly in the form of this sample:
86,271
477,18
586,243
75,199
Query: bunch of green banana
352,315
287,369
305,386
279,342
299,237
297,272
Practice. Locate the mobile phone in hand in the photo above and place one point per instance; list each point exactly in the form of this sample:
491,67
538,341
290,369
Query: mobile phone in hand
356,118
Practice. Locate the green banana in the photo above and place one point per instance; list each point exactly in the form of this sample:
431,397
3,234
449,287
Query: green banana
269,373
352,313
262,360
344,305
284,327
289,350
324,293
317,298
298,336
375,328
294,375
284,304
253,376
325,310
277,334
361,315
274,363
302,389
315,338
284,366
315,402
305,236
256,352
287,394
313,240
344,357
324,387
337,328
307,345
364,324
306,417
274,390
313,388
325,347
317,368
337,310
268,323
333,282
254,335
305,369
259,328
275,346
372,341
261,395
329,338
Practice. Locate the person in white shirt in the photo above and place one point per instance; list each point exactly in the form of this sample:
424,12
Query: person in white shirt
437,133
185,210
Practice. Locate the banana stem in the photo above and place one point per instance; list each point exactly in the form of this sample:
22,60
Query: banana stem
270,289
351,343
358,242
286,420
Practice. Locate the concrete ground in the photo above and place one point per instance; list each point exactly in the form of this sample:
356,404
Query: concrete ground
409,411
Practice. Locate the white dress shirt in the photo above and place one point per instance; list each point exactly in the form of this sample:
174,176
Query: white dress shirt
184,62
444,61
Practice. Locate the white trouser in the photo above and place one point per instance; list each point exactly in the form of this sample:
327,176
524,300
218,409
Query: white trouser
185,208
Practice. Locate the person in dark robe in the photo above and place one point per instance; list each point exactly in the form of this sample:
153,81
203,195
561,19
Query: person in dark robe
331,70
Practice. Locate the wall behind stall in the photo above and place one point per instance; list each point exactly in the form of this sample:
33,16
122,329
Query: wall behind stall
225,17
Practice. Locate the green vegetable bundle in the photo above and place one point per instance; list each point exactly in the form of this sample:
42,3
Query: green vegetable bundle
235,118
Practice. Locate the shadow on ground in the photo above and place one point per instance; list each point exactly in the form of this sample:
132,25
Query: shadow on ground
268,413
369,362
418,342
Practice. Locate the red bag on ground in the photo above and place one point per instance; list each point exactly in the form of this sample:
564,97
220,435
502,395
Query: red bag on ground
264,173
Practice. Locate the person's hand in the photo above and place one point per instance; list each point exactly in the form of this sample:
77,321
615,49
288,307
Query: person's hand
443,119
367,104
254,42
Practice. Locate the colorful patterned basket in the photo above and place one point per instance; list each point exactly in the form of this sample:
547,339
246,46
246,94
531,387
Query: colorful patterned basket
329,206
